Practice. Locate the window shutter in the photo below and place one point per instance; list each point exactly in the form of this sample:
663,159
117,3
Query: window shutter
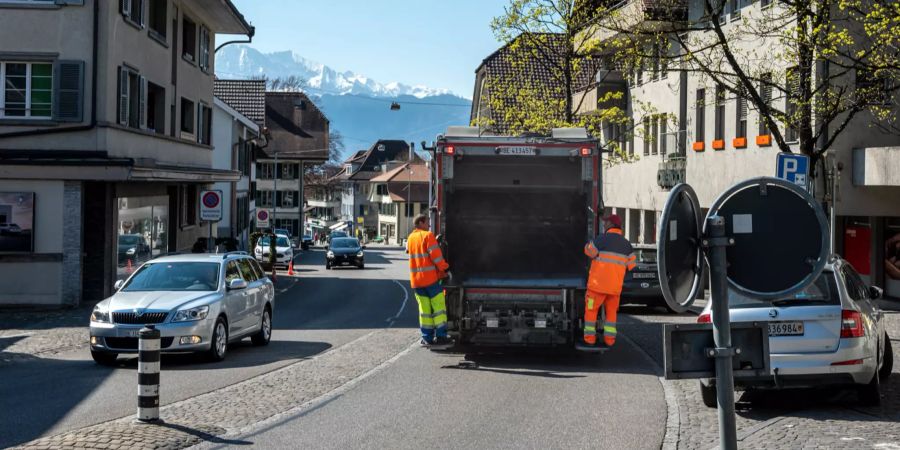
143,19
123,96
125,6
142,106
68,91
199,128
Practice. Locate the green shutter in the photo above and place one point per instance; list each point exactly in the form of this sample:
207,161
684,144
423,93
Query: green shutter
68,91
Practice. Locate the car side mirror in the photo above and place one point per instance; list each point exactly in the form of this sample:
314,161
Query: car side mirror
237,284
875,292
119,284
363,247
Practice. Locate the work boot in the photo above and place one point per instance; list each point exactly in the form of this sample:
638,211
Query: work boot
443,341
424,342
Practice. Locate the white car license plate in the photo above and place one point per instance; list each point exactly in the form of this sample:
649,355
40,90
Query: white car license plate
523,151
644,275
786,328
129,332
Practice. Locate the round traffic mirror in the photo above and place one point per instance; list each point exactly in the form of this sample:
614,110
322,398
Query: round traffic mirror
679,256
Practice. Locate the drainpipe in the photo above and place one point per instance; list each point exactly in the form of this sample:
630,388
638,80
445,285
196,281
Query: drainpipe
93,122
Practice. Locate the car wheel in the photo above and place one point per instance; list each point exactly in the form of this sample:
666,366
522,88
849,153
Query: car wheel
361,266
327,266
887,361
218,345
870,394
104,358
264,335
708,394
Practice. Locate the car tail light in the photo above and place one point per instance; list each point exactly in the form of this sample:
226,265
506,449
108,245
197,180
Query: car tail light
851,324
704,318
450,150
851,362
585,151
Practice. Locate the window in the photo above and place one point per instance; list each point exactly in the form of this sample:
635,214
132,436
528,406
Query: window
264,198
156,108
720,112
242,221
765,92
381,189
792,86
872,89
159,17
264,171
188,39
247,271
663,124
855,285
654,132
204,48
410,209
288,171
133,10
740,129
204,124
232,272
647,136
188,202
363,211
286,199
764,3
26,90
187,116
244,156
132,98
701,116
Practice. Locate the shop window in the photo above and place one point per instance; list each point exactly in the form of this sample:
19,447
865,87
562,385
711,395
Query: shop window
892,256
141,232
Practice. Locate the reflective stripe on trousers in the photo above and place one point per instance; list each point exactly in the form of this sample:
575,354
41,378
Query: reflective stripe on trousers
593,301
432,311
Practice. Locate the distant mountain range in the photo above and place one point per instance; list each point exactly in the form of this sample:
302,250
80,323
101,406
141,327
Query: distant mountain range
358,107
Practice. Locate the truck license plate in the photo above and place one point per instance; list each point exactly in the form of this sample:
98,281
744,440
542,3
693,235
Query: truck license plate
785,328
492,323
523,151
540,324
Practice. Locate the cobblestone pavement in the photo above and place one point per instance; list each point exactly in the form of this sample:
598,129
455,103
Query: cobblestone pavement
793,419
26,334
214,416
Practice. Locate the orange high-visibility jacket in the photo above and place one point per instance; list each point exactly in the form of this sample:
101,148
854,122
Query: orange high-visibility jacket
425,259
612,255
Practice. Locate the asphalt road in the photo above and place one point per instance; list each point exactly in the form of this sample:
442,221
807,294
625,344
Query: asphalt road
316,311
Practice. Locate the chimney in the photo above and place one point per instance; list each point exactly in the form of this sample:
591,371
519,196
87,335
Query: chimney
412,151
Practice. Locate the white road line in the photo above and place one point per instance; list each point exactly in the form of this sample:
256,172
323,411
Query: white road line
403,306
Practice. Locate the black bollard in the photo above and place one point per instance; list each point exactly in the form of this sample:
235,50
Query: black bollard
148,374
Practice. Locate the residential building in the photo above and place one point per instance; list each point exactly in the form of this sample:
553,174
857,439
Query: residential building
710,139
105,138
400,195
235,147
323,198
297,136
356,210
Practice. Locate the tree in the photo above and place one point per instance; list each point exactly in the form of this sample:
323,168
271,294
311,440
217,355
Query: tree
547,68
840,55
335,146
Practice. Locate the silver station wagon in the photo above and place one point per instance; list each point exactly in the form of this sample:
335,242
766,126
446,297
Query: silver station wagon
198,302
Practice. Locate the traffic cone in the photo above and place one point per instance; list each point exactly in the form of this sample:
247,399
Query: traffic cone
291,268
128,267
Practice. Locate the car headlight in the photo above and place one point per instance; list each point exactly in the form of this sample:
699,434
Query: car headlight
360,254
185,315
99,315
130,251
330,254
258,251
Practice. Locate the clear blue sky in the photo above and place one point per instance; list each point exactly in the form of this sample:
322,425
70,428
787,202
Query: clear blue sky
438,43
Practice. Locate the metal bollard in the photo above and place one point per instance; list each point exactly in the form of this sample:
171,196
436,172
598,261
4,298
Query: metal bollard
148,374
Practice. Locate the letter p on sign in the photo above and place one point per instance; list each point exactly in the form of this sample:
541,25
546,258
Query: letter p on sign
794,168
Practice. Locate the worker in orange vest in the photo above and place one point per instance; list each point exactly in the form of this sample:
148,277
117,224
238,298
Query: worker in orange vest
612,256
427,268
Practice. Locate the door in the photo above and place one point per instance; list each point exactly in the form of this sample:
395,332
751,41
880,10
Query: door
859,295
254,294
235,301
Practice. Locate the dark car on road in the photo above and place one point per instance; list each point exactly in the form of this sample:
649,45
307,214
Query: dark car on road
641,285
306,242
345,251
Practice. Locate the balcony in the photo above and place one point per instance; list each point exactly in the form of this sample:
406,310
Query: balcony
673,168
610,91
646,15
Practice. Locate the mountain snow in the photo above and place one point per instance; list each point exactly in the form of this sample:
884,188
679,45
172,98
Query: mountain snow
242,61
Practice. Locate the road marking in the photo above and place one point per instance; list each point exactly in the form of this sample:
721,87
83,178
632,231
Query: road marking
12,336
402,307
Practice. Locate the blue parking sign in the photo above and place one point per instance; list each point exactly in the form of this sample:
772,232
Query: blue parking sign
794,168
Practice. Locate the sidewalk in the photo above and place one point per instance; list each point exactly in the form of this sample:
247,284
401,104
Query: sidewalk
26,334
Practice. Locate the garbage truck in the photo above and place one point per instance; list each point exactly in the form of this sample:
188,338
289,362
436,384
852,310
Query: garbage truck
513,215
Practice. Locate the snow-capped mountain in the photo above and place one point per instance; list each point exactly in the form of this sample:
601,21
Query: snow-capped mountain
242,61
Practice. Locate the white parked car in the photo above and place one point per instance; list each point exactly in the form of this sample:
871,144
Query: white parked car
198,302
830,334
284,251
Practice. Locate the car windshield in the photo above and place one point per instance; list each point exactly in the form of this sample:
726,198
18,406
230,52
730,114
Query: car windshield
345,243
280,242
823,291
129,240
175,276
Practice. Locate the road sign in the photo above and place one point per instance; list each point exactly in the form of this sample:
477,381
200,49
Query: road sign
779,236
686,350
211,206
794,168
262,218
679,259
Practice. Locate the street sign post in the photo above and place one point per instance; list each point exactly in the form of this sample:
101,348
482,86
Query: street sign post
765,238
794,168
211,211
262,218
